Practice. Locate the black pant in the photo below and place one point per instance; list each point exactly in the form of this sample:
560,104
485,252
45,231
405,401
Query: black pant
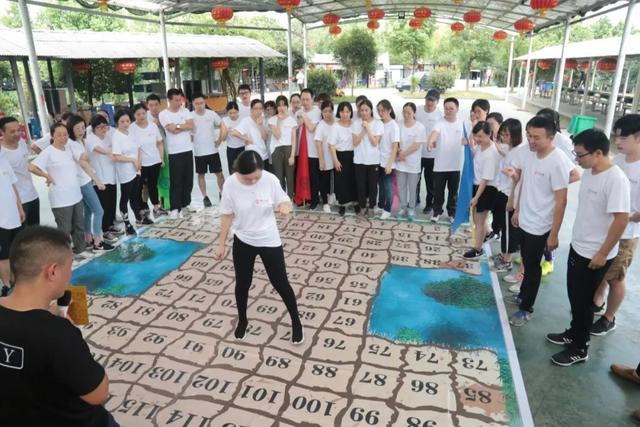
232,155
450,180
582,283
244,258
149,176
131,194
107,198
367,185
531,251
427,168
32,212
345,180
325,185
180,179
509,235
314,180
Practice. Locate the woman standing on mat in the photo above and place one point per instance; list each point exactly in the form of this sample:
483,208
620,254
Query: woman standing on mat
249,198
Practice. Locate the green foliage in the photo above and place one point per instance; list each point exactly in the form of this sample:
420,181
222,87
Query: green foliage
322,81
9,103
408,335
356,50
442,79
54,19
407,45
415,81
464,292
277,67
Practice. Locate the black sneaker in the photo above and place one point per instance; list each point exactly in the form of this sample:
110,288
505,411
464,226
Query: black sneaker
342,210
491,236
130,230
110,238
561,339
427,210
207,203
146,221
602,326
102,247
473,254
241,330
356,209
570,356
313,207
116,230
297,334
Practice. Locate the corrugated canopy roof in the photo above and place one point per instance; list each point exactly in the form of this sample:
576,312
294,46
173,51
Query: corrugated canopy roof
95,45
497,14
600,48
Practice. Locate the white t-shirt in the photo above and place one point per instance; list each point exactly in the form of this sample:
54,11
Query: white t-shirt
204,133
390,136
104,167
18,159
632,171
429,121
315,115
78,150
9,214
486,165
147,139
244,111
505,183
251,129
564,143
541,178
232,141
179,142
600,196
61,166
365,153
323,131
44,141
408,137
127,146
286,127
253,206
448,152
341,137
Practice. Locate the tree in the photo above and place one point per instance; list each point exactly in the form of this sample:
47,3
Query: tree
408,45
356,51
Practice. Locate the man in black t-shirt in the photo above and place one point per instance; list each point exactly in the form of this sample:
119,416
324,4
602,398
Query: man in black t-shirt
47,374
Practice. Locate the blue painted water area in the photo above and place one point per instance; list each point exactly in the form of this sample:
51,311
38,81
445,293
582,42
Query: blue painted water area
439,307
134,266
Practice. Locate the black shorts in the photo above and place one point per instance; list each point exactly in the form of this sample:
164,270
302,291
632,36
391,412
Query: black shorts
487,199
211,162
6,238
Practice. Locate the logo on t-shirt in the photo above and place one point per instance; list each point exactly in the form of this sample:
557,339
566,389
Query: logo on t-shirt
11,356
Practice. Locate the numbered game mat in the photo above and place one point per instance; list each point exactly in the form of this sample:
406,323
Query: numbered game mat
399,330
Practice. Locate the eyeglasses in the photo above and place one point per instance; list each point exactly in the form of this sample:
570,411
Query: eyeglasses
579,156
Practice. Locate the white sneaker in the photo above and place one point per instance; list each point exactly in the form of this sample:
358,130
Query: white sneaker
385,215
191,209
411,214
515,289
514,278
181,214
377,210
435,218
173,214
401,213
326,208
332,199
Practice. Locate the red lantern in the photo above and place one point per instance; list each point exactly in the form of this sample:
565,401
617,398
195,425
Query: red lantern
422,13
571,64
415,23
330,19
472,18
500,35
584,65
545,64
289,5
542,6
334,30
375,14
221,14
523,26
607,65
126,66
373,25
457,27
220,64
81,67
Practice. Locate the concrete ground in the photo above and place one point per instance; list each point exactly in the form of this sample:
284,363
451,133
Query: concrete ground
582,395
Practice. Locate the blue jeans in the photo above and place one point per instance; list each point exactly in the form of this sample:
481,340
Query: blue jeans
93,211
385,194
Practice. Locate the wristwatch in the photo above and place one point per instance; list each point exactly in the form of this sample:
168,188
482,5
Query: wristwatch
178,127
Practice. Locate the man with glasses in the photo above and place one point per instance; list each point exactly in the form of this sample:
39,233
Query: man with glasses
244,91
429,115
545,174
601,218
